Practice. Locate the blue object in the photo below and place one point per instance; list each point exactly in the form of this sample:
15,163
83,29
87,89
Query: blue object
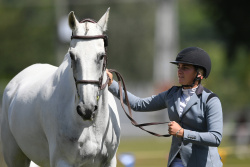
127,159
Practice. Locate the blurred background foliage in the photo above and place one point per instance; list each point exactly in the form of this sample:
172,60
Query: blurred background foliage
28,32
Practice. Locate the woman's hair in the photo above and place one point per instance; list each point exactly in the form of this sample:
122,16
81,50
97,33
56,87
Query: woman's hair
201,71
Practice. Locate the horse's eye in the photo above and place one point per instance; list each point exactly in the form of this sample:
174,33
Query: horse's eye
102,56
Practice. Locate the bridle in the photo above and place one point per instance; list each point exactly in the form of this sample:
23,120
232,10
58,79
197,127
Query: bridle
105,61
120,81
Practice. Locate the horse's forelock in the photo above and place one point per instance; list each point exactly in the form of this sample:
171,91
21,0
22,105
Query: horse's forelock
88,29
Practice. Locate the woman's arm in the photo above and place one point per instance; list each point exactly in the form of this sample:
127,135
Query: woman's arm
152,103
214,119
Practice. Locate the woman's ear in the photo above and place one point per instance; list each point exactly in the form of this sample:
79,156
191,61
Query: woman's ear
200,75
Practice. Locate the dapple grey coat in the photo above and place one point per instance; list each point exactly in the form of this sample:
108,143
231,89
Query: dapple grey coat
202,121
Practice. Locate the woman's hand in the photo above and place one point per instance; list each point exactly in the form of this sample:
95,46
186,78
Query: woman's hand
175,129
110,77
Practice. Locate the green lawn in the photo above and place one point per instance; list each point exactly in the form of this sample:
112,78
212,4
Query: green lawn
153,152
149,152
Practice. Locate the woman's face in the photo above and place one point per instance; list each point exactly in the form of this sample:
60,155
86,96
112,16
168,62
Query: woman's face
186,74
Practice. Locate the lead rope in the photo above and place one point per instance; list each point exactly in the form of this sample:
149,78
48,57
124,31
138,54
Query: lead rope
129,115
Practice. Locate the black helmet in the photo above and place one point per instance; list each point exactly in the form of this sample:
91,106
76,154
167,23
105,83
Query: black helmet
194,56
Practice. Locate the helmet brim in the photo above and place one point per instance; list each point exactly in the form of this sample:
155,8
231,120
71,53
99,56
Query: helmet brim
183,62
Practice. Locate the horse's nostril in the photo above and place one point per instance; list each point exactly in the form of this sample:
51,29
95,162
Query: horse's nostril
79,111
78,108
87,112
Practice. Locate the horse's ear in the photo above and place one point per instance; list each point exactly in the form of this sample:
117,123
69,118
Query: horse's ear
73,22
103,22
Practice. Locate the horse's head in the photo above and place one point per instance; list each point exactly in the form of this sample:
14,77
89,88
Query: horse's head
88,60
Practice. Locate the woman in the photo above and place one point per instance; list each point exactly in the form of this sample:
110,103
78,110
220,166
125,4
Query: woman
194,111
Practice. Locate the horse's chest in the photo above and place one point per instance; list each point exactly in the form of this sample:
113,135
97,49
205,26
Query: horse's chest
90,147
94,152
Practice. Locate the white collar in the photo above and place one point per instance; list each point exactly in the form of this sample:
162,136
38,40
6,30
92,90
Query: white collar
189,92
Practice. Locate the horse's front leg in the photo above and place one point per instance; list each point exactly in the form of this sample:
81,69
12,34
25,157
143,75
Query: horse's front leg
60,163
57,160
112,163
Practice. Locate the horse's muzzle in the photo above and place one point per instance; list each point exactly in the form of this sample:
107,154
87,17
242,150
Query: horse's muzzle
87,112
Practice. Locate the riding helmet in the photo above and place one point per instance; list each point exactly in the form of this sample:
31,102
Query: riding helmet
194,56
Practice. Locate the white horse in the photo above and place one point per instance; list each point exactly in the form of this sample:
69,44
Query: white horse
63,116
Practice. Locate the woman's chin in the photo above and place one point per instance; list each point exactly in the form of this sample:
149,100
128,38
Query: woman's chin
181,82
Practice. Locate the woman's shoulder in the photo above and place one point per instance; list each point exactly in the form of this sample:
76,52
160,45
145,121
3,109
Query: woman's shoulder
208,95
172,90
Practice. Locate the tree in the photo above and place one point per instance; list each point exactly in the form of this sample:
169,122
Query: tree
27,36
231,20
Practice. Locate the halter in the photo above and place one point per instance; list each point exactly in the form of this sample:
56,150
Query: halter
105,61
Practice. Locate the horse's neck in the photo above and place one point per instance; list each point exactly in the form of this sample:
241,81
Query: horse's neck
103,103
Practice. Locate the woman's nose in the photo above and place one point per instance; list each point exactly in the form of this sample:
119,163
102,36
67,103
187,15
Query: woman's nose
179,70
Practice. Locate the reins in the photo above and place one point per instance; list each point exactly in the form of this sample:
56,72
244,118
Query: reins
120,82
129,115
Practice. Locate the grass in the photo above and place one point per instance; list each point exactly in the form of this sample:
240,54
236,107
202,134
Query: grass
149,152
153,152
